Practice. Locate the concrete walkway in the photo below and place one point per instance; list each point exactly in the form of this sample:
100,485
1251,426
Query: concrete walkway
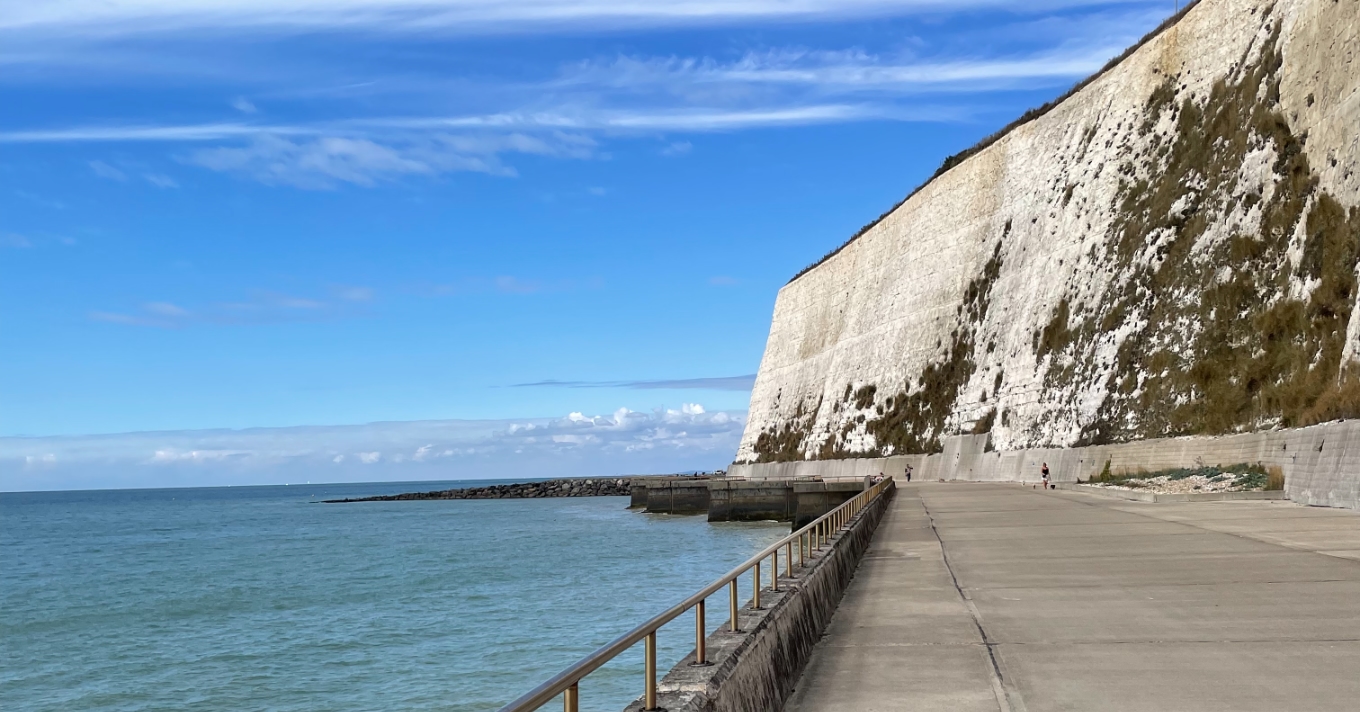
1000,597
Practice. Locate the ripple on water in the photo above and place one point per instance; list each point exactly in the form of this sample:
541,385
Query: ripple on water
254,598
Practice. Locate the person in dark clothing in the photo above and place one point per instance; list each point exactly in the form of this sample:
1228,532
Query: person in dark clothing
1045,471
909,473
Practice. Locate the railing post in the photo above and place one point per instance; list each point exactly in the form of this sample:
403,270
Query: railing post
649,698
774,571
788,559
755,578
571,698
732,594
700,640
801,537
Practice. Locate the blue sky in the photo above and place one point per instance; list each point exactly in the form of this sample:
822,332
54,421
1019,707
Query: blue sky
272,214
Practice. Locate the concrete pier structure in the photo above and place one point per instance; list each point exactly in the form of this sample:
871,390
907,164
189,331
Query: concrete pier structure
740,500
681,495
638,498
818,498
751,501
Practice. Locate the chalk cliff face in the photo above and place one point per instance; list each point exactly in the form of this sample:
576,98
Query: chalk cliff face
1170,250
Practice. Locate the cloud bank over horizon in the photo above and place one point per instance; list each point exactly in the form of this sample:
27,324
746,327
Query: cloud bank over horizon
624,442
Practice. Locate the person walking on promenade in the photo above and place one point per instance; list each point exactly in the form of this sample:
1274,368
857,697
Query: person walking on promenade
909,473
1045,471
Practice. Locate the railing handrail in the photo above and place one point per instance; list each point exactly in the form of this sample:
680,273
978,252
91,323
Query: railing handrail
569,677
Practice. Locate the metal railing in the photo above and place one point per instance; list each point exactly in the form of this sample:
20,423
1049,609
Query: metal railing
810,539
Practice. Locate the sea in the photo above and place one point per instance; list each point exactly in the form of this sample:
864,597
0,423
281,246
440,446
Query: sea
261,598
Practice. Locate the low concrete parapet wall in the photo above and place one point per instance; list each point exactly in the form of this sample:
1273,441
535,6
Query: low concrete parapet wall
750,501
818,498
755,670
638,498
680,496
1321,463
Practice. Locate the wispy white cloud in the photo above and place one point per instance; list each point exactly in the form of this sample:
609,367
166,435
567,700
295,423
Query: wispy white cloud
261,306
14,239
166,309
327,161
109,172
677,148
507,284
104,170
20,241
342,146
172,455
662,440
354,294
160,180
721,383
123,17
150,133
133,319
40,200
836,72
515,285
319,163
572,108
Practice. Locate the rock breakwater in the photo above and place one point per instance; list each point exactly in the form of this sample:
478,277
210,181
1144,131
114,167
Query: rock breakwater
602,487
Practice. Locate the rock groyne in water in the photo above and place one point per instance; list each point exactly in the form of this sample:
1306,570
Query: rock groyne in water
595,487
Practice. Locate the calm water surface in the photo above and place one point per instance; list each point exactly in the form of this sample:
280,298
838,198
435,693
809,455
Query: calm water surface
253,598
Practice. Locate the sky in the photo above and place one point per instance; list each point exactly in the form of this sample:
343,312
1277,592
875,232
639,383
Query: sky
250,241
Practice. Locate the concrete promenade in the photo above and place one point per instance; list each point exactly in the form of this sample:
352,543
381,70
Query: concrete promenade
1000,597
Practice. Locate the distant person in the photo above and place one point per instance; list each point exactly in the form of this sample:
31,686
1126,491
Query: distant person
909,473
879,478
1045,471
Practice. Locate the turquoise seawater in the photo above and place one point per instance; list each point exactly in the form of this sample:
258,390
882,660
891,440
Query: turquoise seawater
255,598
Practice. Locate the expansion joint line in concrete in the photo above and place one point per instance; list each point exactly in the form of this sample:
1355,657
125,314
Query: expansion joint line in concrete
1007,699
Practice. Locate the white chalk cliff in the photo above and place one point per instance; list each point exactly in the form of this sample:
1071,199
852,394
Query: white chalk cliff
1171,249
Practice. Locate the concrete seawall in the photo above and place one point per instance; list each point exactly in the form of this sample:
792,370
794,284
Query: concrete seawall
678,496
1321,464
755,669
745,501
